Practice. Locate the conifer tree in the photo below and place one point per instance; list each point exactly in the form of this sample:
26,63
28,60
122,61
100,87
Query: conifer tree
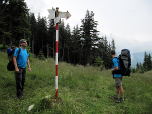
51,37
109,58
101,48
18,23
41,35
99,62
145,63
4,31
149,62
113,44
33,29
41,55
141,68
62,41
90,34
67,43
105,52
76,46
137,66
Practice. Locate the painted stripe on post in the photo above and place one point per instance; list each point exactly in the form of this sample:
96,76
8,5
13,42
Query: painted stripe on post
56,74
56,82
56,46
56,62
57,26
56,95
57,34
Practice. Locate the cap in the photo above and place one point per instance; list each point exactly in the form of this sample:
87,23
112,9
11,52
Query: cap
22,40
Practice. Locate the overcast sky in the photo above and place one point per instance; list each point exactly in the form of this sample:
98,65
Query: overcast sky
129,22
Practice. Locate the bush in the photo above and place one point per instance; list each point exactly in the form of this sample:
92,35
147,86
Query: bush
133,70
3,47
141,70
41,55
98,62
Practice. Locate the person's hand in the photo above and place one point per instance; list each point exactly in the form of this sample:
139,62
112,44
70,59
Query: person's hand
17,70
29,69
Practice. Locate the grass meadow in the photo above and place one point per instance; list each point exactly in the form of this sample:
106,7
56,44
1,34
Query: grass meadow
82,90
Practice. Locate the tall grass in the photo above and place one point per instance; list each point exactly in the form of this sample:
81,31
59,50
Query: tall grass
81,90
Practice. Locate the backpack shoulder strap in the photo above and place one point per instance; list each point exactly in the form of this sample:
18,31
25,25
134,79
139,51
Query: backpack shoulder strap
19,52
115,57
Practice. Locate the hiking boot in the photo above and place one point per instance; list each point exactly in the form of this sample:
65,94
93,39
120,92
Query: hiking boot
114,97
20,97
120,100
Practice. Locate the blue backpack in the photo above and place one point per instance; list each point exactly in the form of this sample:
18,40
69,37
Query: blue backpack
125,63
10,53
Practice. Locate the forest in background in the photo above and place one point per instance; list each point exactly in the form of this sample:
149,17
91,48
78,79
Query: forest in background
81,45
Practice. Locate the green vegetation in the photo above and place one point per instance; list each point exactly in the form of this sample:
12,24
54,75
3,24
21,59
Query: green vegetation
41,55
145,66
78,45
81,90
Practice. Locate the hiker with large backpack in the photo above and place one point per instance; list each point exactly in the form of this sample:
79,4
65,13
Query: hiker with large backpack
117,77
20,60
121,67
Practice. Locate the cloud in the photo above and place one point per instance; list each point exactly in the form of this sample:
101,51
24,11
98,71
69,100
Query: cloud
133,45
128,22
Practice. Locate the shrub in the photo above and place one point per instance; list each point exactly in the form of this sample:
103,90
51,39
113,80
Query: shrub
41,55
98,62
133,70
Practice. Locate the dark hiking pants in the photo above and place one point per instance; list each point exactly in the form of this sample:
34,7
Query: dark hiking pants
20,79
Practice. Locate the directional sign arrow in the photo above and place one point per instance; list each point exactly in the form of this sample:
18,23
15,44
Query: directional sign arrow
51,13
61,15
64,15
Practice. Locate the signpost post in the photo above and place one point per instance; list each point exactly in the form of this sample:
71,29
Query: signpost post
57,15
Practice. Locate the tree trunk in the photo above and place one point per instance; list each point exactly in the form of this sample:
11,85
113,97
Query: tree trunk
68,56
47,50
53,48
33,44
28,33
42,42
10,45
63,52
88,58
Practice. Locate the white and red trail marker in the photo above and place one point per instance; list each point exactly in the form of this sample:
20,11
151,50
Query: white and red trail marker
57,15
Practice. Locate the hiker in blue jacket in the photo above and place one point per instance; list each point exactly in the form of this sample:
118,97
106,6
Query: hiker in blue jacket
117,77
20,60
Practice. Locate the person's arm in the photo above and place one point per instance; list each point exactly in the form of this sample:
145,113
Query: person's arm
115,63
116,68
15,64
28,63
